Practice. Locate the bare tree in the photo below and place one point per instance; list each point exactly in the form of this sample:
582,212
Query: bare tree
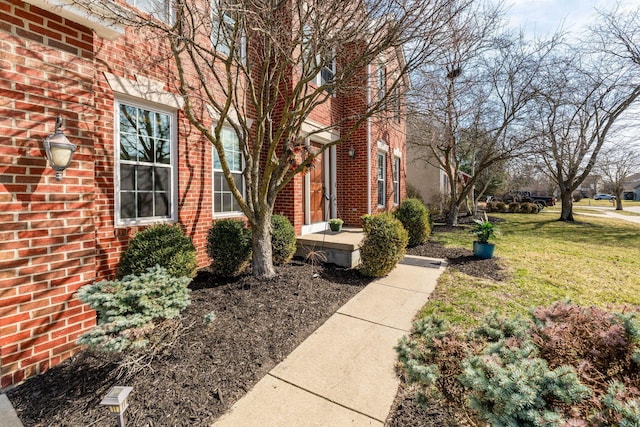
472,103
585,93
616,164
262,67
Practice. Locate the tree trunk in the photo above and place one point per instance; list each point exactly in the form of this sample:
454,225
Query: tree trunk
262,262
567,207
454,211
618,201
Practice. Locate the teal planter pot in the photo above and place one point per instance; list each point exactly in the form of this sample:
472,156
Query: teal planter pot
483,250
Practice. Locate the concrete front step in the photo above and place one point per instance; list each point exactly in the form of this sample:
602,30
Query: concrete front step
339,248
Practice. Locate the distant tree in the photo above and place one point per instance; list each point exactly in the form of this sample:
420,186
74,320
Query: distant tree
616,164
471,104
585,93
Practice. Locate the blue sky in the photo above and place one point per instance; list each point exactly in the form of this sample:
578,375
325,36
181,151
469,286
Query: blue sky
544,17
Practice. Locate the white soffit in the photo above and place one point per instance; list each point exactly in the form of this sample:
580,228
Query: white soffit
144,88
97,21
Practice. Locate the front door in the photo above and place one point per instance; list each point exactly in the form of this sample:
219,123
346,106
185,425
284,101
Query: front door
316,190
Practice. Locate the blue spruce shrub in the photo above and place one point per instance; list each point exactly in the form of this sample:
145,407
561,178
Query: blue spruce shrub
162,244
384,245
128,308
229,245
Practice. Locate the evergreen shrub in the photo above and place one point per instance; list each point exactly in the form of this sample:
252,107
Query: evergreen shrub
501,207
530,208
514,207
283,239
384,245
128,308
414,216
162,244
229,245
562,365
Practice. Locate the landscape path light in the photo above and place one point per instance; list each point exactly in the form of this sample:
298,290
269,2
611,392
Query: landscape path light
58,149
116,401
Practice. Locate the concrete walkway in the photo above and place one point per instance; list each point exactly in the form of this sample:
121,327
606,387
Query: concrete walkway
343,374
8,416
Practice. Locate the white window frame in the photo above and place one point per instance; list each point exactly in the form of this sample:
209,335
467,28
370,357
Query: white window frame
331,67
396,180
222,46
161,10
381,81
233,171
382,180
173,199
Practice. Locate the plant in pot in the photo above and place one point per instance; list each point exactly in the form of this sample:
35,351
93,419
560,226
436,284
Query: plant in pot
335,224
483,230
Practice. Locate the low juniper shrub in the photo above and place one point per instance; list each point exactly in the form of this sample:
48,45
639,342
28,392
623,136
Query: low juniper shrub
229,246
129,308
283,239
384,245
562,365
414,216
162,244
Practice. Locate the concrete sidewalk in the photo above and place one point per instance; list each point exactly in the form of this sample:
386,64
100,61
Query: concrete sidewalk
343,374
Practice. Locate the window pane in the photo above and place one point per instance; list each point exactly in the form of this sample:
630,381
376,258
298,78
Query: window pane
218,178
128,119
163,126
127,177
163,154
128,205
161,204
227,202
145,204
144,178
145,122
145,148
162,179
237,179
128,147
381,193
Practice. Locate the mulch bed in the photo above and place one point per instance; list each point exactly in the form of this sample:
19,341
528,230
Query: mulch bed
192,373
195,372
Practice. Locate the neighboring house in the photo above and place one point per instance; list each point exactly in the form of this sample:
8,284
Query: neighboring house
57,236
431,182
632,187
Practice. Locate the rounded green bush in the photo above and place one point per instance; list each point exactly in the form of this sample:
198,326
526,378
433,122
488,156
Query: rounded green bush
283,239
229,245
162,244
414,216
384,245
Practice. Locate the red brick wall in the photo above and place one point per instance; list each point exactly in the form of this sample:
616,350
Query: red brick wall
125,58
47,242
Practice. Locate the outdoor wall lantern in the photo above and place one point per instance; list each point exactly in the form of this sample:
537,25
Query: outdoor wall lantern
116,401
58,149
352,152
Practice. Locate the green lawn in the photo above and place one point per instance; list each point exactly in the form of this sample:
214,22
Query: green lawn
594,261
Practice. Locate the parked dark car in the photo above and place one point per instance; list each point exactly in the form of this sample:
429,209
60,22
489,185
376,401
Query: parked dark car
604,197
527,197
